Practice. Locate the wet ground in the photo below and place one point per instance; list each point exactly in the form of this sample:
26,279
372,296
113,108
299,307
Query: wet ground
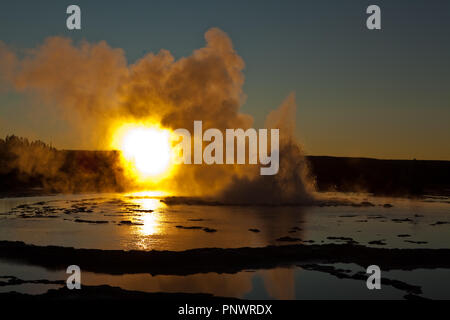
143,222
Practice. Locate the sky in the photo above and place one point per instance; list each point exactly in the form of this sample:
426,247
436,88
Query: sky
363,93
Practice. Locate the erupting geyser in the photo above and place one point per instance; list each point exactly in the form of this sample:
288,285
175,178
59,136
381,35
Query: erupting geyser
139,106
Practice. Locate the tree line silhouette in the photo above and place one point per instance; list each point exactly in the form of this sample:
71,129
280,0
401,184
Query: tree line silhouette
33,166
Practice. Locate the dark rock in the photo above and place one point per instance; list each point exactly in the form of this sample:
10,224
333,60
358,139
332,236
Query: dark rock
417,242
130,223
437,223
340,238
288,239
189,228
345,274
402,220
91,221
378,242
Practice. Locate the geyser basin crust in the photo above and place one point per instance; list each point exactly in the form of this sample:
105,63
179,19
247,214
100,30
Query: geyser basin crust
220,260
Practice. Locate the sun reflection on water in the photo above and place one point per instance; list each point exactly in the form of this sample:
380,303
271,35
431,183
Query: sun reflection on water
152,212
150,225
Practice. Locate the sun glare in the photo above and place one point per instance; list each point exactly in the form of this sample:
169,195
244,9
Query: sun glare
148,149
145,149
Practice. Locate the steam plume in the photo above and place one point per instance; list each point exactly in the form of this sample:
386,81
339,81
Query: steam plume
95,82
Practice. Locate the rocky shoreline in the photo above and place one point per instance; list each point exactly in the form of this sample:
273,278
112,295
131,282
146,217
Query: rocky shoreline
221,260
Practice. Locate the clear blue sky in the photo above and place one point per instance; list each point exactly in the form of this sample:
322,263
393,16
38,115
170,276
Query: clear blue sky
360,93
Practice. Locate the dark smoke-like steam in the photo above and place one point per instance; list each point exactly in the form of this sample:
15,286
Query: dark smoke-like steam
93,85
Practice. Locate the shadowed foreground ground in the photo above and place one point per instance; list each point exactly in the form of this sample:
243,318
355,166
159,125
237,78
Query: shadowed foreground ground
221,260
106,292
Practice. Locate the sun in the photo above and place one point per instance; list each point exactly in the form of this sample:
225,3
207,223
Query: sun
146,150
